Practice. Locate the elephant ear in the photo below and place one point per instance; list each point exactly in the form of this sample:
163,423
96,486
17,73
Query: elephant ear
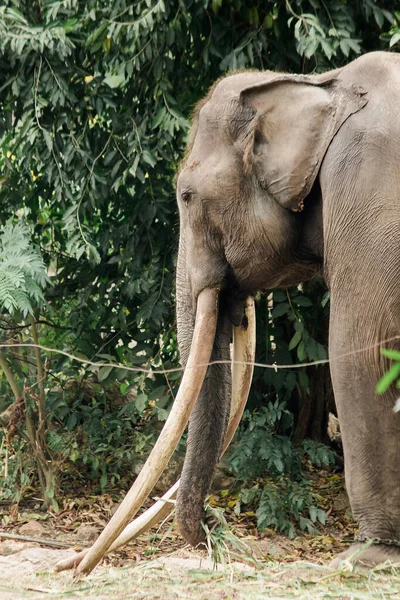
295,119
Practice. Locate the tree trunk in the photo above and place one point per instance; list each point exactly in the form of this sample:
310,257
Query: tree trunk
314,408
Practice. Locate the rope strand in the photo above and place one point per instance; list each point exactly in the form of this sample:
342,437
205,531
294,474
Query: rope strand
157,371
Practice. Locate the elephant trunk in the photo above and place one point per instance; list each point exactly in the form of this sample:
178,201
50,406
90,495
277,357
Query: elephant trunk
207,428
210,415
209,433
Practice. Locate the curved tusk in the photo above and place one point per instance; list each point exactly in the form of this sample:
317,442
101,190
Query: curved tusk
244,352
244,347
148,519
192,381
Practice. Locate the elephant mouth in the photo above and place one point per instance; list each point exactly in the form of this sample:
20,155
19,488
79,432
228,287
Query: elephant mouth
234,295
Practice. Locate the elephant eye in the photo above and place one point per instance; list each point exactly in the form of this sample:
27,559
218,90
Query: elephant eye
262,183
186,197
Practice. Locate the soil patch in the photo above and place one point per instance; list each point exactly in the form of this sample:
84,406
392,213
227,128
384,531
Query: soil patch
160,566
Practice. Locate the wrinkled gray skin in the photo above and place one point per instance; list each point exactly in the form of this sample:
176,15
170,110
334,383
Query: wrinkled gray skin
263,146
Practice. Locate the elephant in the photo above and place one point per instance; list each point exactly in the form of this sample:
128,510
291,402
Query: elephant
286,177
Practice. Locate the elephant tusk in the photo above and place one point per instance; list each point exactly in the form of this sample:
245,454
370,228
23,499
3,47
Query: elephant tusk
192,381
148,519
244,351
244,345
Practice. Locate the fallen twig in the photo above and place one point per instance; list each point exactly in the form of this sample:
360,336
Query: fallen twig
42,541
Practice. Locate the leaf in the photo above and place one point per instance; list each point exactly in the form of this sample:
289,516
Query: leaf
311,349
311,48
322,352
134,166
162,414
269,21
71,25
48,139
71,421
104,372
97,33
388,15
114,81
103,480
385,382
347,44
321,516
93,254
301,351
328,48
158,117
313,513
149,158
302,301
16,16
295,340
141,402
253,16
280,309
325,299
394,39
216,4
123,388
379,18
389,353
298,325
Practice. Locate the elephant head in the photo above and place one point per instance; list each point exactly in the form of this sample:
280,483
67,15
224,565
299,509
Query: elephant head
257,144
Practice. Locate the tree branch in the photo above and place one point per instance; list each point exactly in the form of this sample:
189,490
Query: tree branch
40,376
10,378
28,538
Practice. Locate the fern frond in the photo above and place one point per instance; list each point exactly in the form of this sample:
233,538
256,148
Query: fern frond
22,270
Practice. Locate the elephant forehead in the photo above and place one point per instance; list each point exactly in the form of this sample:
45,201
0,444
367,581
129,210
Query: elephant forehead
215,113
211,175
211,151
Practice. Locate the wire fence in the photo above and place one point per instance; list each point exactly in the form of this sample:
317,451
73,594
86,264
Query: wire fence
157,371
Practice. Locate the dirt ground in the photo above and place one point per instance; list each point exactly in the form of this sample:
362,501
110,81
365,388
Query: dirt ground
187,574
160,566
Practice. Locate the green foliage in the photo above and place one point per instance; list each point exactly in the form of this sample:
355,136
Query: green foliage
284,501
221,542
394,34
283,504
392,375
98,434
331,28
291,326
16,470
22,271
289,303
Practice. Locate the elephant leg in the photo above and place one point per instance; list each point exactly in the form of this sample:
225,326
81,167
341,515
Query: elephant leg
370,428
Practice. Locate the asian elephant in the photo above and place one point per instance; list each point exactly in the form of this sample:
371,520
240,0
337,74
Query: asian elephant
285,177
288,176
